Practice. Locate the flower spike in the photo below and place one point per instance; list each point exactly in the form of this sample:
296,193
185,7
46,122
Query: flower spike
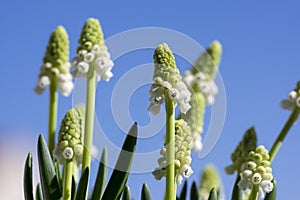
203,90
69,146
210,179
257,172
92,52
167,81
56,65
182,154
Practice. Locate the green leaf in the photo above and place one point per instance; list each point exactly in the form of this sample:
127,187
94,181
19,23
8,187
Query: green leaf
194,192
120,174
213,194
38,192
49,181
237,194
27,180
126,193
183,192
272,194
145,192
57,172
82,185
73,190
101,177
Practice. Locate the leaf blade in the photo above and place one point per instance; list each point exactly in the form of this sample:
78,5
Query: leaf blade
120,174
194,192
145,192
213,194
101,177
38,192
27,180
183,192
237,194
126,193
49,181
82,185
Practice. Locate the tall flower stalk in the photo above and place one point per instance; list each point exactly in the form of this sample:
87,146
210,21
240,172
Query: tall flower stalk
93,63
293,104
169,88
55,74
170,138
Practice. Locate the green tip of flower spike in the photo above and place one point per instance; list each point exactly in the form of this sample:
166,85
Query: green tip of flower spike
209,61
247,144
91,35
70,137
164,56
165,67
209,179
57,52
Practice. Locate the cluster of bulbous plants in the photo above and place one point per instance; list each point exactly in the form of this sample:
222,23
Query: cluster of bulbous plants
68,147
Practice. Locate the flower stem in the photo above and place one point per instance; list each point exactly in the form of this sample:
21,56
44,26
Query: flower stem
170,138
292,119
52,114
254,193
67,184
89,117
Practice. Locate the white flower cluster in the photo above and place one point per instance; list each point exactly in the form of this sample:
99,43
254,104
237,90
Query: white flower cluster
64,80
292,102
99,58
257,172
200,83
182,154
177,91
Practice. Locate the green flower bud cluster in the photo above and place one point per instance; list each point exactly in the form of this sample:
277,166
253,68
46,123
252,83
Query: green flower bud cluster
167,81
208,62
209,179
69,146
56,65
293,100
165,68
194,118
92,52
257,171
182,154
240,154
91,35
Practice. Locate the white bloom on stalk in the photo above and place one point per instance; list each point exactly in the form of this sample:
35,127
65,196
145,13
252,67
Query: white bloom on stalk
99,58
293,99
167,81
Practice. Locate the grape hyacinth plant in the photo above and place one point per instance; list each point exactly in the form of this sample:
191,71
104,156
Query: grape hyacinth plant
65,164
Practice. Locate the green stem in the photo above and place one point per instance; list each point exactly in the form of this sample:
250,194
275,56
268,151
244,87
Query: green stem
170,144
89,117
67,184
254,193
292,119
52,114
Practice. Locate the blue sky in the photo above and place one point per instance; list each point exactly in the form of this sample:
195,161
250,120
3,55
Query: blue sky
259,67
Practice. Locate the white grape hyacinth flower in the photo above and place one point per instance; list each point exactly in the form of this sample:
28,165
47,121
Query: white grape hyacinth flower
99,58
